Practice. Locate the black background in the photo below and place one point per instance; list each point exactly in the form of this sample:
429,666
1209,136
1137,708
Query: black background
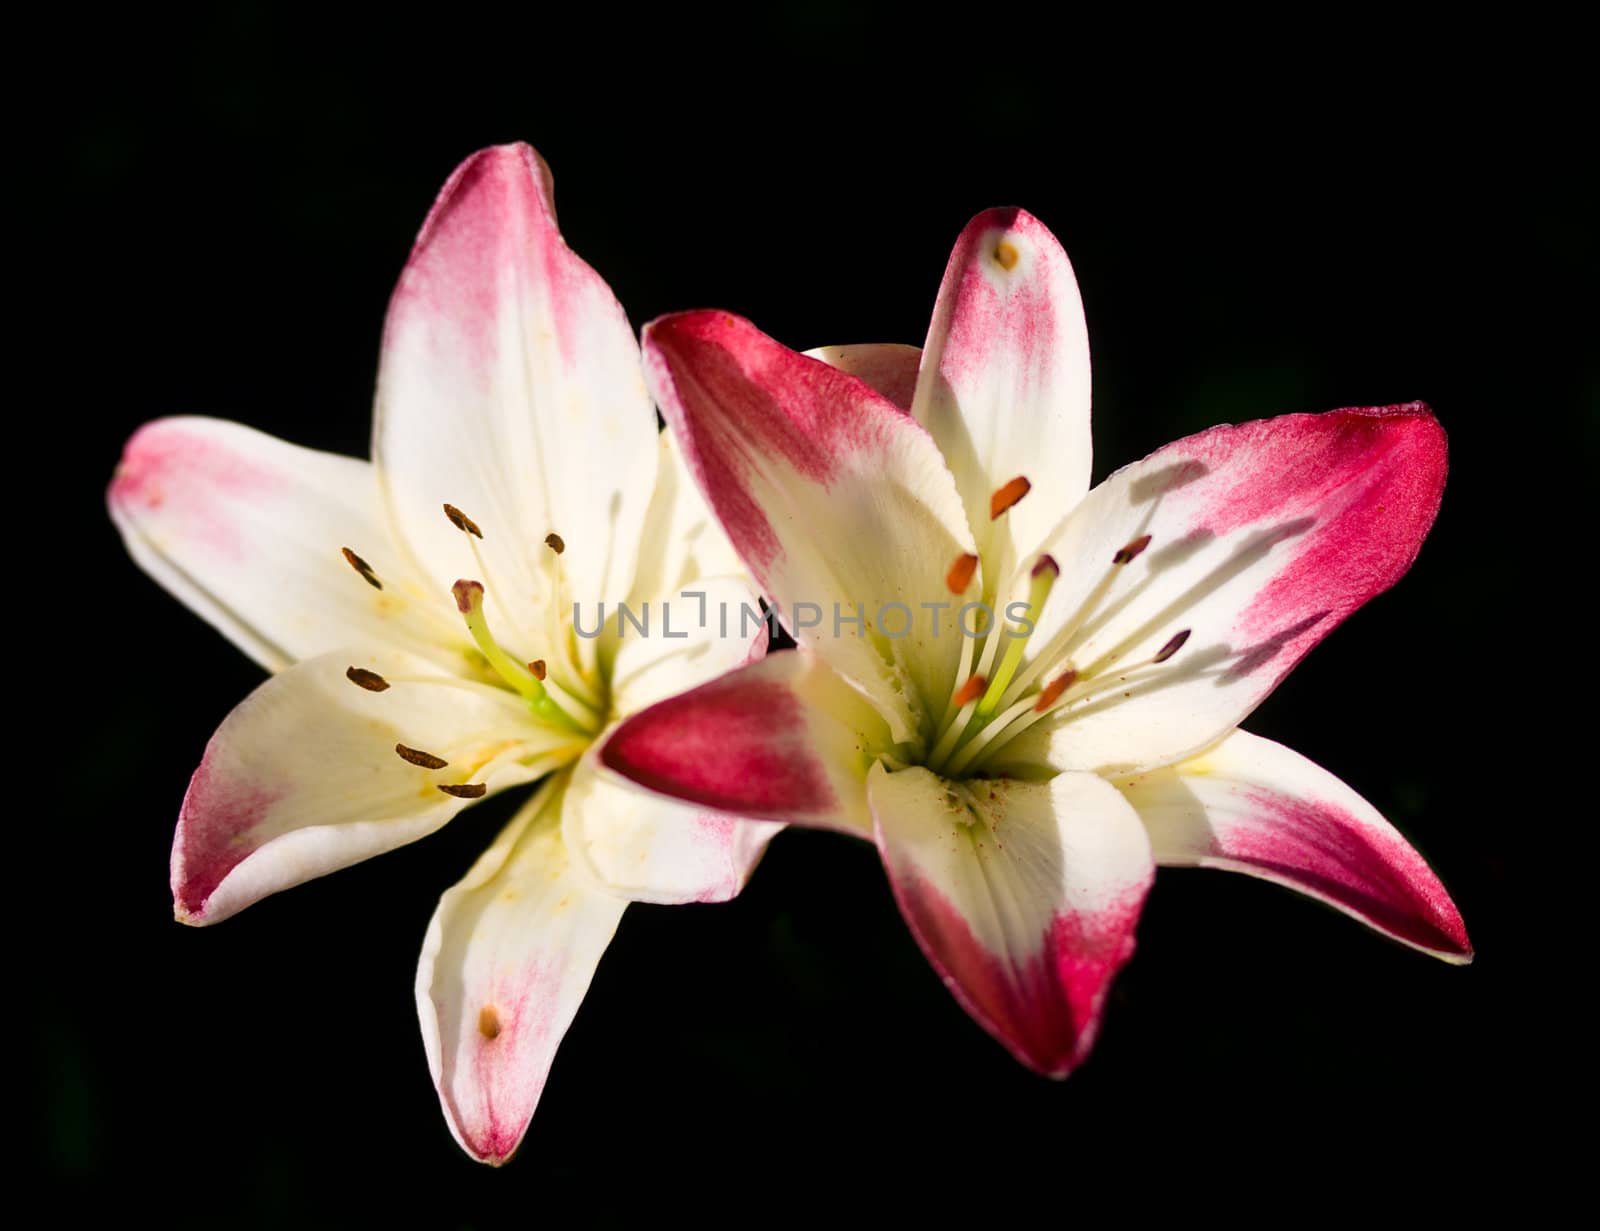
1261,221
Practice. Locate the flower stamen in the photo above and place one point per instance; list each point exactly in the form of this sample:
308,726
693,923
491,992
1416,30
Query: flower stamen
423,760
959,576
1066,689
1007,495
462,522
362,567
370,680
1040,583
464,790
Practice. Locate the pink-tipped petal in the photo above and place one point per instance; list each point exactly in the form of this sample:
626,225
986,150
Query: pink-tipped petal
302,778
250,533
1252,806
1023,895
508,957
832,496
1262,538
890,368
509,387
784,739
1004,386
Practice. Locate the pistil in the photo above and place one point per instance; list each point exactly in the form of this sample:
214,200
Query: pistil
469,601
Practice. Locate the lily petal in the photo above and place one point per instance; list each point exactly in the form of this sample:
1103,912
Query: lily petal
1023,895
509,387
784,739
651,849
509,954
682,541
249,532
832,496
302,778
1004,386
693,635
1262,539
1252,806
890,368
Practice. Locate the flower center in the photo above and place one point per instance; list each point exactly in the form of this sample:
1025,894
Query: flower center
996,697
563,693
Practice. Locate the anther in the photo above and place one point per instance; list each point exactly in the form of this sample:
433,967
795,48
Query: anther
971,690
424,760
489,1022
1172,647
538,669
462,522
464,790
370,680
1053,690
1007,495
1131,552
960,575
362,567
1005,254
555,542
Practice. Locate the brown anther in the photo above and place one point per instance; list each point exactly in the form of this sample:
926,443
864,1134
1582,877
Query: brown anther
370,680
1007,494
362,567
971,690
1047,564
425,760
468,595
960,575
462,522
1005,254
1051,693
1172,647
537,667
555,542
489,1022
464,790
1132,550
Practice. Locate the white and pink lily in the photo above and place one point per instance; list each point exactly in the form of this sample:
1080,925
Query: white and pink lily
1022,783
418,613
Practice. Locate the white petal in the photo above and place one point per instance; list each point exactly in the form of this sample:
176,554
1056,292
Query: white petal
1252,806
1004,386
682,541
1023,895
303,778
510,388
646,846
1263,537
248,531
650,848
689,636
509,954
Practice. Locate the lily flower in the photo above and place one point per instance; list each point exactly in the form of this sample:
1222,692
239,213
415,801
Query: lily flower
1026,692
421,615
